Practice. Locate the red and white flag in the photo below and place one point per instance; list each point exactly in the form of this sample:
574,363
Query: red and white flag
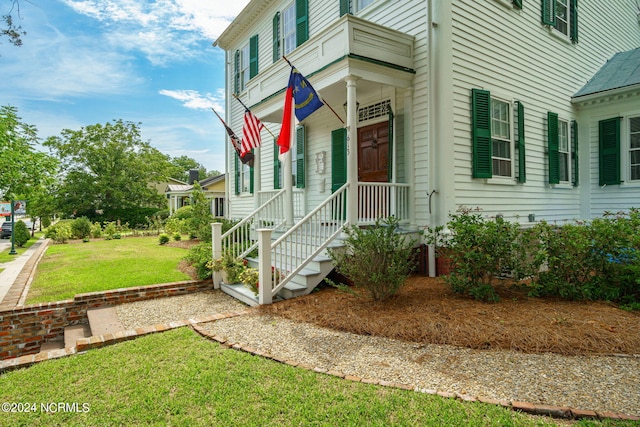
250,132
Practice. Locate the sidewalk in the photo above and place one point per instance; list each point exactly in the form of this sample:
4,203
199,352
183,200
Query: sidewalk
17,274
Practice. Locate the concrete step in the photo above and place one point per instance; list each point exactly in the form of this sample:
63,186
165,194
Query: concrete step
104,321
74,333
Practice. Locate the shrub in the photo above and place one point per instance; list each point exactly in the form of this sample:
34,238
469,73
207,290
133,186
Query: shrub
185,212
163,239
96,230
21,234
59,232
200,258
377,258
110,229
177,236
177,225
81,227
482,249
45,221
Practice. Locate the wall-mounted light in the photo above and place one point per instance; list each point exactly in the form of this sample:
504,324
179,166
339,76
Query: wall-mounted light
345,106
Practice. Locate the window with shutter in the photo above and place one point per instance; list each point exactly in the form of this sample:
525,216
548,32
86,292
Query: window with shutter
253,56
609,151
300,157
338,158
302,21
481,133
276,37
236,75
277,171
562,15
634,148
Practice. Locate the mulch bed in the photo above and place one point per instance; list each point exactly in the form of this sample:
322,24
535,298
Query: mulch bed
426,311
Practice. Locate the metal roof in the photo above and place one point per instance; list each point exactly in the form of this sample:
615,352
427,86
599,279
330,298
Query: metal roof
621,71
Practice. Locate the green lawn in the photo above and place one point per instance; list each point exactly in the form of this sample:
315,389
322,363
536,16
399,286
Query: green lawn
70,269
178,378
5,257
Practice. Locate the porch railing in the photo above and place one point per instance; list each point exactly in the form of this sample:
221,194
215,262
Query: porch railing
382,200
298,206
289,254
241,239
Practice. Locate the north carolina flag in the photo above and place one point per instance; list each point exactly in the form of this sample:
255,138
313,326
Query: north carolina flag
306,100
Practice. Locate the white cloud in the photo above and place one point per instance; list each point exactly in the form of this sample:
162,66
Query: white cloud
163,30
195,100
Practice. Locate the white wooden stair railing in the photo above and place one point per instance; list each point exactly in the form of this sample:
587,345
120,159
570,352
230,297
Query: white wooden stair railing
298,246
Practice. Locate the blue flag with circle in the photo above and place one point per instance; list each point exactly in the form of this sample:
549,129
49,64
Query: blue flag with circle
305,98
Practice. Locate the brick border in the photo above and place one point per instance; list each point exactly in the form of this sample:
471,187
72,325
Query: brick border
544,410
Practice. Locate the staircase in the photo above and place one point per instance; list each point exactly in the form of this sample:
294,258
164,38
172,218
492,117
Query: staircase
102,321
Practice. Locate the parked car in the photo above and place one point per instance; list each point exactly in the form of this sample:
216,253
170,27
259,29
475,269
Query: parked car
6,230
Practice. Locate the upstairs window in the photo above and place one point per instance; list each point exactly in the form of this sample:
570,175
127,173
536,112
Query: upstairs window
562,15
353,6
246,64
290,28
501,137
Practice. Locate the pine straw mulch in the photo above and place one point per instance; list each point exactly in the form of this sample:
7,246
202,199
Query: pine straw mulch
426,311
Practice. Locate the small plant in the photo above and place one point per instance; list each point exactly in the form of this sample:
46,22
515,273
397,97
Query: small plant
177,237
164,239
200,258
250,278
377,259
59,232
81,227
86,240
232,266
110,229
96,230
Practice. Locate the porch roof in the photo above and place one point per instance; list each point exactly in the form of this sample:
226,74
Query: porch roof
622,71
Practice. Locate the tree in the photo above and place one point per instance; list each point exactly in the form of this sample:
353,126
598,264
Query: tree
106,168
24,172
202,218
183,164
11,31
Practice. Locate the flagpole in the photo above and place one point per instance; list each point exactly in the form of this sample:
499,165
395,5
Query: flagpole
323,100
247,108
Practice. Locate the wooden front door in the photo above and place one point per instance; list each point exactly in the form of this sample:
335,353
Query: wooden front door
373,153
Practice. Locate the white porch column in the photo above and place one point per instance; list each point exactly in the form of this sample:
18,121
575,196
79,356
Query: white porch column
216,246
287,177
264,267
409,153
352,151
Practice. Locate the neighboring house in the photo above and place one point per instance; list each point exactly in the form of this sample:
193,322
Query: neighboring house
509,106
179,194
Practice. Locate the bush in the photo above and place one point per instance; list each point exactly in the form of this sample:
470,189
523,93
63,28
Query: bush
185,212
377,258
59,232
164,239
81,227
96,230
481,249
177,237
177,225
110,229
200,258
21,234
45,221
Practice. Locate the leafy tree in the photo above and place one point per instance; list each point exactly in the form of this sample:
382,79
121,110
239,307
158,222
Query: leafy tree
180,167
25,171
22,235
107,167
10,30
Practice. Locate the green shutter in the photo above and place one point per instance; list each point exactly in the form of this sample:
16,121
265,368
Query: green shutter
553,146
300,149
302,21
390,154
345,7
481,133
338,158
573,17
517,3
549,12
574,153
253,56
251,175
276,37
522,169
609,141
236,76
236,168
276,165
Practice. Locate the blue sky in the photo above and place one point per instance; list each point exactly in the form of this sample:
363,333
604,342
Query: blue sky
92,61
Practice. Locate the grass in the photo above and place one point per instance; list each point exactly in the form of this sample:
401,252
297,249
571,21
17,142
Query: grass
178,378
70,269
5,257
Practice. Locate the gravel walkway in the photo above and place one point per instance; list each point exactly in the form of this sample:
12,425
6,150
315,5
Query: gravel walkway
598,383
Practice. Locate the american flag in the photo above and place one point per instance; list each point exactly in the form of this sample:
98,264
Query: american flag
250,132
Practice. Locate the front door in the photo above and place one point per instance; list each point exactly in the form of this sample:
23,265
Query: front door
373,153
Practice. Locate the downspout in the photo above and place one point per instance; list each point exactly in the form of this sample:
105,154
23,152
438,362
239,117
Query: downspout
431,138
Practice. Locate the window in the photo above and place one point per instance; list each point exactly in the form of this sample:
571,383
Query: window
245,178
496,136
353,6
501,137
246,64
634,148
562,150
564,165
361,4
562,15
290,28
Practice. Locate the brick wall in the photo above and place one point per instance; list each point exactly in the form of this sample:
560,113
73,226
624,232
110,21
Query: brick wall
23,330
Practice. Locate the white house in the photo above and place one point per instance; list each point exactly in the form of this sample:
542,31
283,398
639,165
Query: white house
529,109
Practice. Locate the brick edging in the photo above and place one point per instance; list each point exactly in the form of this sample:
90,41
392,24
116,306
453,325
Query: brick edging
545,410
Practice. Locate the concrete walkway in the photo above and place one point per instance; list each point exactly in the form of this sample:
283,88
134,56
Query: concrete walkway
18,274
